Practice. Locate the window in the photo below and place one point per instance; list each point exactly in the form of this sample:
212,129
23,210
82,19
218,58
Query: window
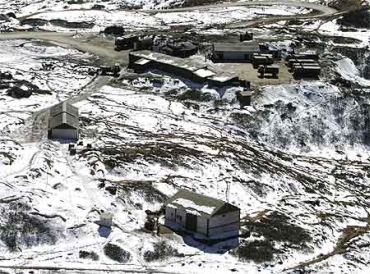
179,218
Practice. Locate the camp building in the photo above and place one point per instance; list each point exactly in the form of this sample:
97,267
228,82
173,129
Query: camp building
193,70
234,51
63,122
199,214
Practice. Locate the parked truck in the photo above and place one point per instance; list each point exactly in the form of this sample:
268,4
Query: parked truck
291,62
262,59
273,70
111,70
306,71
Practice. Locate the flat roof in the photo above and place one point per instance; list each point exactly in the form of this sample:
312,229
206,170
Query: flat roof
198,68
237,47
204,73
142,61
188,64
223,77
245,93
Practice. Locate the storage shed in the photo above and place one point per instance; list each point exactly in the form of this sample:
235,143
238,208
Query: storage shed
199,214
63,122
234,51
244,98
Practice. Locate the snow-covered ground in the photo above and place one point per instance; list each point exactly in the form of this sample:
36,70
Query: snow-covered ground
25,7
150,139
24,60
296,162
141,20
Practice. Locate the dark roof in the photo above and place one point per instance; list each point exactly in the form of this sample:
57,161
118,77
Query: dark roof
236,47
63,114
199,205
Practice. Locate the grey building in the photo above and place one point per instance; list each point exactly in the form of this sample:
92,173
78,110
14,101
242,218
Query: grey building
63,122
244,98
234,51
202,215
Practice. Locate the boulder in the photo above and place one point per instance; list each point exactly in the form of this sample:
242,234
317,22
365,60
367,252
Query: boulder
19,92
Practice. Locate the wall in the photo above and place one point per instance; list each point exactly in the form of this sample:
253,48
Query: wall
202,225
64,134
227,222
234,56
170,214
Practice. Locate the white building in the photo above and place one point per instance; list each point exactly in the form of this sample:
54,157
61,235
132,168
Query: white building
63,122
234,51
203,215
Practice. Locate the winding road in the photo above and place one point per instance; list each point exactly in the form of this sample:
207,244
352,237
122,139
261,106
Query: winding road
324,10
109,55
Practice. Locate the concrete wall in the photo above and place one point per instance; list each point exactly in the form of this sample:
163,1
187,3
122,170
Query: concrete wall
225,223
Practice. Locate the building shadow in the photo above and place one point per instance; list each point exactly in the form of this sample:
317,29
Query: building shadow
219,246
104,231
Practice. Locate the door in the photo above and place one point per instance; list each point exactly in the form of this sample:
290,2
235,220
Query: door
191,222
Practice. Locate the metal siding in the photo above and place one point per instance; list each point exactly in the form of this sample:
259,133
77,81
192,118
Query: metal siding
234,56
64,134
202,226
231,230
169,211
181,213
229,223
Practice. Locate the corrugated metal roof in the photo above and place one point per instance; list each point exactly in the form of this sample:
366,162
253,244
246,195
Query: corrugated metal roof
236,47
63,107
199,205
63,114
63,119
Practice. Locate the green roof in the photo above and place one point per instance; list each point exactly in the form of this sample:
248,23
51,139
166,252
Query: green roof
198,204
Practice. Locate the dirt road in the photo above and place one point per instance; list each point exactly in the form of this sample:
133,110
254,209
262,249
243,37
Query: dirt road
107,53
323,10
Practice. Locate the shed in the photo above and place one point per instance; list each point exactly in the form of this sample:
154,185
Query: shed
63,122
106,219
234,51
244,98
199,214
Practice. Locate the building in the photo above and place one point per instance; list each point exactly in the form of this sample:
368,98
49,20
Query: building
106,219
244,98
247,36
179,49
202,215
193,70
234,51
63,122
